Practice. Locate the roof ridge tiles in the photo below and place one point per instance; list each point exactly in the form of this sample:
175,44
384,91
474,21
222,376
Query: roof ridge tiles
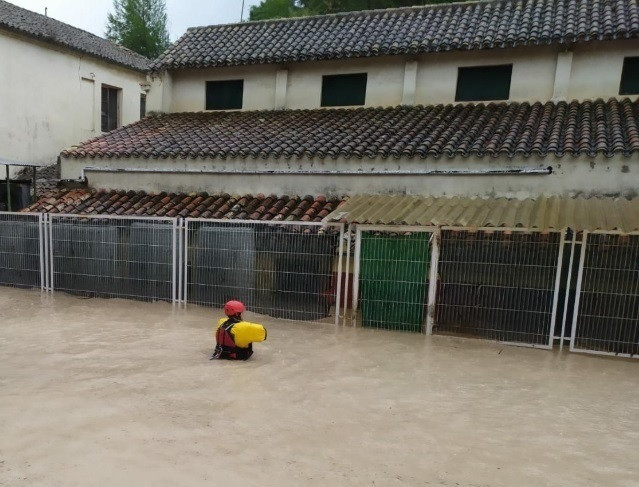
353,13
403,30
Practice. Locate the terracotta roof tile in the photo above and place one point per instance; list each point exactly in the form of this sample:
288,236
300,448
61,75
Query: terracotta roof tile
47,29
575,128
245,207
414,30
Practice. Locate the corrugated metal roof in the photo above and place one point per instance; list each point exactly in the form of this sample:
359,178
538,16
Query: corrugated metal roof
542,213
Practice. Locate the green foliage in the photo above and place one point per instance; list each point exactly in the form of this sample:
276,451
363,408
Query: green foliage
273,9
139,25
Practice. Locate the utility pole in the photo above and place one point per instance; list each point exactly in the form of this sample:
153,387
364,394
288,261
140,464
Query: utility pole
242,14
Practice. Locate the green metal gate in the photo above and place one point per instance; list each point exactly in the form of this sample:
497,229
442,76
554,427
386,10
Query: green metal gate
394,280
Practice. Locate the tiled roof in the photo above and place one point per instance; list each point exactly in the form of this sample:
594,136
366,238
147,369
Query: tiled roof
200,205
47,178
576,128
541,213
53,31
435,28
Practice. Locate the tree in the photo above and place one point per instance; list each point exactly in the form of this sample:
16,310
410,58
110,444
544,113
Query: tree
139,25
272,9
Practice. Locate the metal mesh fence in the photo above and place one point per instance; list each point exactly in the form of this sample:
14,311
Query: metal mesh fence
499,285
392,279
114,257
21,253
607,316
289,271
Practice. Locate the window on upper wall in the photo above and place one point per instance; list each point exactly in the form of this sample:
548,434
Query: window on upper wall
224,95
339,90
110,108
484,83
142,105
630,77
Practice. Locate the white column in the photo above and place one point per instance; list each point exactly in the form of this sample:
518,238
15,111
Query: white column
281,82
562,76
410,83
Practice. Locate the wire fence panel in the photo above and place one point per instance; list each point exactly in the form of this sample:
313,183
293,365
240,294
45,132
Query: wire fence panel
499,285
289,271
606,320
114,257
21,256
393,279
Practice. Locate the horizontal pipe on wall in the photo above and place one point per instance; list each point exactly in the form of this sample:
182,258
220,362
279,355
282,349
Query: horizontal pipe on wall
523,171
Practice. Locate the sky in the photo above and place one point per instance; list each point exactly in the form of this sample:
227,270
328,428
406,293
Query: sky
91,14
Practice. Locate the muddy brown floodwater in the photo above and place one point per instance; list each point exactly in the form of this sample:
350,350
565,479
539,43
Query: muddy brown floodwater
98,392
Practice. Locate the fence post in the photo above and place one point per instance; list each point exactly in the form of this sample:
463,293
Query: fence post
582,259
186,262
339,273
567,296
348,272
43,283
358,251
174,252
50,236
432,284
555,301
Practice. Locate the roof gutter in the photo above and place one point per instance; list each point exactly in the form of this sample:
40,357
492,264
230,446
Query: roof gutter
521,171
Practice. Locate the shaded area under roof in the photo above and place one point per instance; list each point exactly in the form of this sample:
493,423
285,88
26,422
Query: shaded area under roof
414,30
511,129
542,213
53,31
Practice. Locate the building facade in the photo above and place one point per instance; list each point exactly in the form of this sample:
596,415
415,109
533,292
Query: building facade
61,86
504,98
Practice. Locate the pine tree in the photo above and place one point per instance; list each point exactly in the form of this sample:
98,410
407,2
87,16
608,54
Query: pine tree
140,25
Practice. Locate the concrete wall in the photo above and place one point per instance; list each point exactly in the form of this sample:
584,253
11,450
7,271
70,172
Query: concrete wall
571,176
532,78
50,98
590,70
596,68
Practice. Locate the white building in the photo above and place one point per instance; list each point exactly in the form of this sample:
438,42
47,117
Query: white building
561,78
61,85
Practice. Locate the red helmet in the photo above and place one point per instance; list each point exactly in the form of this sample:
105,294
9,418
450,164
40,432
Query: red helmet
233,308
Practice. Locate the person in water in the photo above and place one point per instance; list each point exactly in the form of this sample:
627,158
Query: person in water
235,337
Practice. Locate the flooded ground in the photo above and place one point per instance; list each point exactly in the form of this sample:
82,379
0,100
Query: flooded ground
109,392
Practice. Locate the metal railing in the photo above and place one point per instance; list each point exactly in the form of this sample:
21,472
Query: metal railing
606,310
111,256
509,285
500,284
22,257
289,270
391,281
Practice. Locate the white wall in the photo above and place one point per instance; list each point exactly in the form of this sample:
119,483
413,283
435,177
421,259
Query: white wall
532,78
189,87
571,176
384,84
594,71
50,98
596,68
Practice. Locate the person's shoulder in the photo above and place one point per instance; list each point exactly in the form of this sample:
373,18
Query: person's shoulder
220,321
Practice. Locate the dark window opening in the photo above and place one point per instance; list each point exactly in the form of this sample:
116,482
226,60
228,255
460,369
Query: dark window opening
344,90
224,95
630,77
110,114
142,105
484,83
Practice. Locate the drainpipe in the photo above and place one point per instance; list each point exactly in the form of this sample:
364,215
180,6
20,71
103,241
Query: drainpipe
523,171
